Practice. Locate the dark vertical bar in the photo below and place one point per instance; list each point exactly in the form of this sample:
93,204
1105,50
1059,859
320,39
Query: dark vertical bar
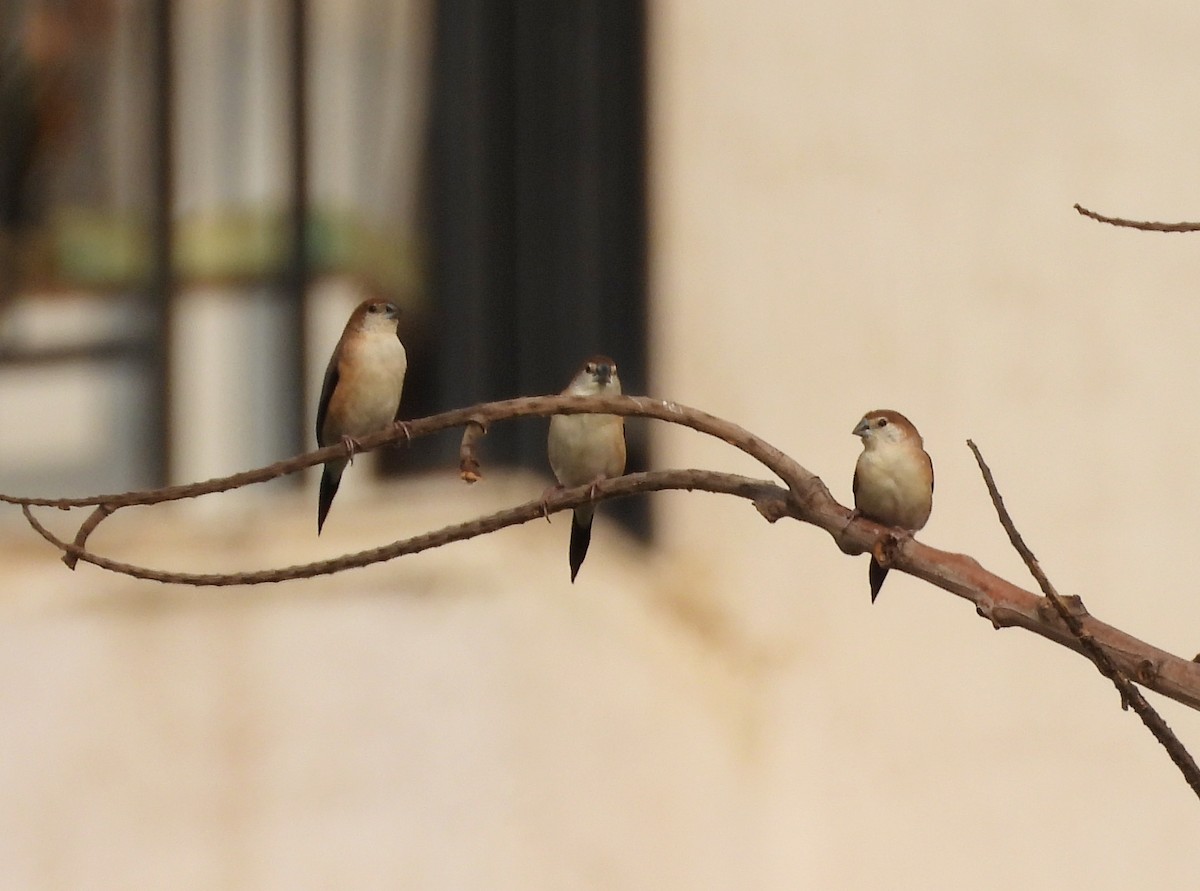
161,277
296,272
580,203
537,205
622,202
580,193
471,208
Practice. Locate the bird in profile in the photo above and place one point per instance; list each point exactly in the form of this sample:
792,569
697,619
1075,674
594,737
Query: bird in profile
587,448
361,391
893,479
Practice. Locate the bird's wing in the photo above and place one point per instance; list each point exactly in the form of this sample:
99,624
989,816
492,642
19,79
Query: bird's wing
327,388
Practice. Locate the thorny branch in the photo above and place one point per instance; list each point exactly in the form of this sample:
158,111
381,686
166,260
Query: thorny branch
1131,696
803,496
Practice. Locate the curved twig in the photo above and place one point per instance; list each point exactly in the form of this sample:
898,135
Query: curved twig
1138,224
476,419
757,491
795,476
806,499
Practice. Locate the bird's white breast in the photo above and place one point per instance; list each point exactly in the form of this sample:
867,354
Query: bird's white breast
374,380
893,487
584,447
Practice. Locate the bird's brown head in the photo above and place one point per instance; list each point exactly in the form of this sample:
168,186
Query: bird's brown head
374,315
596,376
885,425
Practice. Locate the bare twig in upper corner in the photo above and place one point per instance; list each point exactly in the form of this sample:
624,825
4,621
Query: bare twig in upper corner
1138,224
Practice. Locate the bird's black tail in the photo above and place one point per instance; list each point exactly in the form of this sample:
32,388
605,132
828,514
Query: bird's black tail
878,574
581,537
330,480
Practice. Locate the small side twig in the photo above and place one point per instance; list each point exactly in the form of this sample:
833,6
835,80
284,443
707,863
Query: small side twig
1131,696
468,459
1144,225
85,529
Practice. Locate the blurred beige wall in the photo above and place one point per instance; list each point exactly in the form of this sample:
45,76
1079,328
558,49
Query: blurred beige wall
854,206
870,205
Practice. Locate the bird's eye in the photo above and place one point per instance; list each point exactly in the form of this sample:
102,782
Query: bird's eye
375,307
882,422
591,368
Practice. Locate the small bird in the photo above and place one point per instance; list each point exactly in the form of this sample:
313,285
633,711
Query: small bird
587,448
893,480
361,392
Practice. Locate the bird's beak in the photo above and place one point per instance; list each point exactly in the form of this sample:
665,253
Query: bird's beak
861,428
393,311
604,373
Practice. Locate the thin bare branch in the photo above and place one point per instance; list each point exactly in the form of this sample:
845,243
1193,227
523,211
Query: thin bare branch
1138,224
795,476
1131,696
805,499
635,483
476,419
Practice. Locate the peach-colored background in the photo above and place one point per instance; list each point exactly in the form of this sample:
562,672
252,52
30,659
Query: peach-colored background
854,206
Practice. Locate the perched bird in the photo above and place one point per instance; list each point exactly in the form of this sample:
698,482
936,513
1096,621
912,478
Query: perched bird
893,480
361,392
587,448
